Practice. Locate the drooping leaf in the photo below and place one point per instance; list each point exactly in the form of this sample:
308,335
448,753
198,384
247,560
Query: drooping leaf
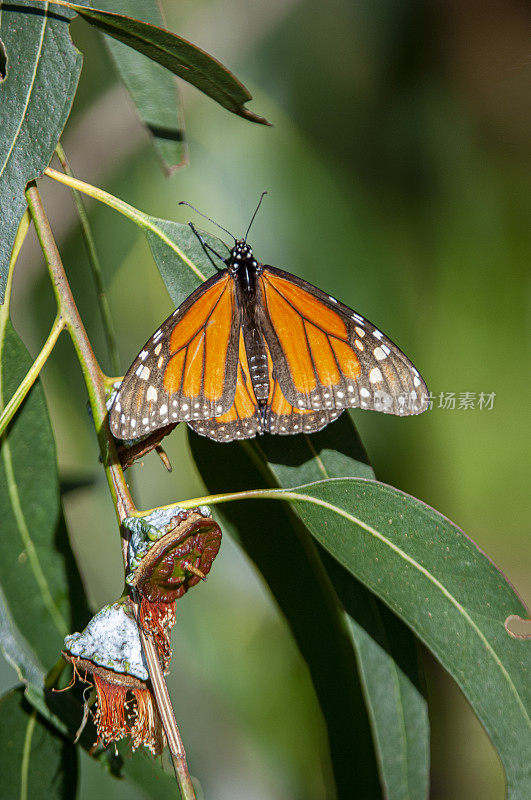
435,579
386,649
42,589
35,760
154,90
42,71
287,558
176,54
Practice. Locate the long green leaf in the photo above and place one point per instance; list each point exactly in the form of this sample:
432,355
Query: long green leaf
42,590
35,760
154,90
435,579
287,558
36,95
176,54
386,649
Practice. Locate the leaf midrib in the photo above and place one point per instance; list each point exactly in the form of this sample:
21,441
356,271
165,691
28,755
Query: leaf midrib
453,600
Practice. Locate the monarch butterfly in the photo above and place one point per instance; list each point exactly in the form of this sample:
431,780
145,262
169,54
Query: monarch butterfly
256,349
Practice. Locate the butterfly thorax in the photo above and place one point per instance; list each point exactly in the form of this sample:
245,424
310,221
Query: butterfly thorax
243,266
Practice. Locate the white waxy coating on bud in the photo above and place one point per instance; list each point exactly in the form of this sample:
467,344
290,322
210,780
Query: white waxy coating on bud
111,640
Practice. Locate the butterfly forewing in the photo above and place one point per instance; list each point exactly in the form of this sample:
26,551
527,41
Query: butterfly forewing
187,370
327,357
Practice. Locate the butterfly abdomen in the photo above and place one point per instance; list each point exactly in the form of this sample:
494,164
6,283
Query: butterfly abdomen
255,349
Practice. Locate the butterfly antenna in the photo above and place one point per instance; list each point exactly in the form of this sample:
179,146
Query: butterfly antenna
184,203
254,215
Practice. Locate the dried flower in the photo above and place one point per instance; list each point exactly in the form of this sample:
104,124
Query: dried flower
110,651
171,550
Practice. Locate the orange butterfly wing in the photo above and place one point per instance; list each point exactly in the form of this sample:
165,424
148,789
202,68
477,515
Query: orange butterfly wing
188,369
327,357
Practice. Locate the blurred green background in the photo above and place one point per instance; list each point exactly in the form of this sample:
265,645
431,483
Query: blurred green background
396,172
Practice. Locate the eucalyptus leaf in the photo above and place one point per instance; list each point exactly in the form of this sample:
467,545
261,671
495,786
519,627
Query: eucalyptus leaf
35,760
287,558
42,589
176,54
387,652
435,579
42,71
153,89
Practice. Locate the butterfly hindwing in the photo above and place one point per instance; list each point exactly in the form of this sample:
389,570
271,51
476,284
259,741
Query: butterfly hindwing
283,418
327,357
187,370
242,420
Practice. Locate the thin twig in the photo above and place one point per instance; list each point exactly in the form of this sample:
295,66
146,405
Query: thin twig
94,378
95,266
162,697
33,373
95,382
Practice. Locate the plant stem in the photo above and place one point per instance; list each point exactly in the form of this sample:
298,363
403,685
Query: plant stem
92,373
95,382
175,744
95,266
14,404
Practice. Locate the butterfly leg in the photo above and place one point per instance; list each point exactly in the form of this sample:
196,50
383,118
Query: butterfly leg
206,246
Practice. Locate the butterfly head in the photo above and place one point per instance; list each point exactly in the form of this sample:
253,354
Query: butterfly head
241,257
